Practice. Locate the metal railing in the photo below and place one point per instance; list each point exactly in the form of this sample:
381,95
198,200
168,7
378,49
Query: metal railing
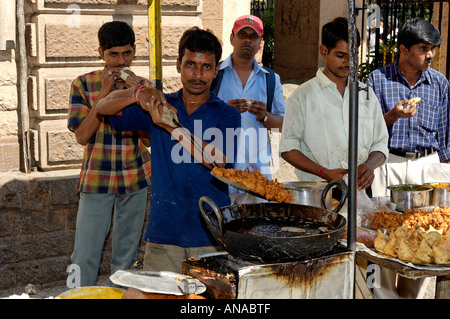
379,35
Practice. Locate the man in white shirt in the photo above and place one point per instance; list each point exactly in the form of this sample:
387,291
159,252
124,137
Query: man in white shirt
243,83
316,125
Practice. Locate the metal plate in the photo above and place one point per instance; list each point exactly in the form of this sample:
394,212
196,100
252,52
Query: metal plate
238,186
163,282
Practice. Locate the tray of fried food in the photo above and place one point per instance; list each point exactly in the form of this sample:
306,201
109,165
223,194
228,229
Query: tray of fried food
254,183
420,235
436,216
418,246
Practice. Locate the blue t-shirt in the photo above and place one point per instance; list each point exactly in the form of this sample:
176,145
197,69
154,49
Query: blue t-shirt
178,181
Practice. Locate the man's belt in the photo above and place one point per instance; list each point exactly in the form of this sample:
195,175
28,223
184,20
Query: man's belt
425,152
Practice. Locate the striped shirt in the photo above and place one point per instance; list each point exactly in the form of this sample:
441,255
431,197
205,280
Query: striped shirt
429,127
112,162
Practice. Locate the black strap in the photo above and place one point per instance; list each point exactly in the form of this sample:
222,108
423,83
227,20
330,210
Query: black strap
270,86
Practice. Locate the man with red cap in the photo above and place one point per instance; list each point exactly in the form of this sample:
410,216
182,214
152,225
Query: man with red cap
257,94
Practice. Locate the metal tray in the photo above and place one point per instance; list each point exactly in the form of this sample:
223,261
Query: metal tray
163,282
238,186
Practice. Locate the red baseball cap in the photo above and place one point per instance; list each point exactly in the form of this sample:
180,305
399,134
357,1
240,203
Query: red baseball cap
248,21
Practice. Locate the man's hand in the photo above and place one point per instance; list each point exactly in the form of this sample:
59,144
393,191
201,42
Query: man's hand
240,104
334,174
401,110
365,176
109,76
153,101
132,79
258,109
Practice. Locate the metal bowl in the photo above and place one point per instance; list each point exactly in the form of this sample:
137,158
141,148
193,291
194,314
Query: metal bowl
409,196
440,194
308,193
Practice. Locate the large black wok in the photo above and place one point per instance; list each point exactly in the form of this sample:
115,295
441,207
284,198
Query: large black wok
279,246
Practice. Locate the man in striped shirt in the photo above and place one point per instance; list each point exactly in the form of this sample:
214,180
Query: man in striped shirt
115,171
418,133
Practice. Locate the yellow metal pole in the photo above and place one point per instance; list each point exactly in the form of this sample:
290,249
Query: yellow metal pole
154,43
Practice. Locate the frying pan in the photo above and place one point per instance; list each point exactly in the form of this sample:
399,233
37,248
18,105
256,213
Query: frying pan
267,247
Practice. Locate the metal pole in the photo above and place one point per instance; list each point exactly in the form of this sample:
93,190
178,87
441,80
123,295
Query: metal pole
353,128
154,43
353,133
22,88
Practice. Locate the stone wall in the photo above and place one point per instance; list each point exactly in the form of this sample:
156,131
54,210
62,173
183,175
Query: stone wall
62,43
37,224
37,229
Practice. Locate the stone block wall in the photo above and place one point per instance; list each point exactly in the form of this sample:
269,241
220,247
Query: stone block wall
37,229
63,45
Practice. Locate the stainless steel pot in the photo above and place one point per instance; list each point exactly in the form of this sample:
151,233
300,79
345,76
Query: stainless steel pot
309,193
409,199
440,194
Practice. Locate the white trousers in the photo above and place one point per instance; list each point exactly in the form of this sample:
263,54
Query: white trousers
401,170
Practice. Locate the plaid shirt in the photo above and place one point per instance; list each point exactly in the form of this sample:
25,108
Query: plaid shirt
112,162
429,127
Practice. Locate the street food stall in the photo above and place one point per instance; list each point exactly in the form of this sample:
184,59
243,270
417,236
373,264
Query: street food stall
282,249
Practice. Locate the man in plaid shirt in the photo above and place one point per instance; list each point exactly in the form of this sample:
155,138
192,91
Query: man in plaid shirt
418,133
115,171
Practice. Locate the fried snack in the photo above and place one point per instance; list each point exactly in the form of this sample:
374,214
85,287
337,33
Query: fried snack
124,75
404,252
386,220
381,241
423,253
441,255
415,245
438,217
445,242
433,236
414,101
270,190
391,247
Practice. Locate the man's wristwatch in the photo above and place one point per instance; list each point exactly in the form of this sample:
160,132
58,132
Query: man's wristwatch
264,118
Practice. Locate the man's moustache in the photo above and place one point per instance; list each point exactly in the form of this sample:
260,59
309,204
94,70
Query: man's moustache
196,82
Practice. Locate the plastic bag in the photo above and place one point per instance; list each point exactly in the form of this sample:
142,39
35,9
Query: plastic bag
365,206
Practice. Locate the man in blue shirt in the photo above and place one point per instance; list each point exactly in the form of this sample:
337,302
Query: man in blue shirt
243,85
180,176
418,134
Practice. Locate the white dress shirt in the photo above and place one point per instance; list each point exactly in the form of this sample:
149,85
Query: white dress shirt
317,124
